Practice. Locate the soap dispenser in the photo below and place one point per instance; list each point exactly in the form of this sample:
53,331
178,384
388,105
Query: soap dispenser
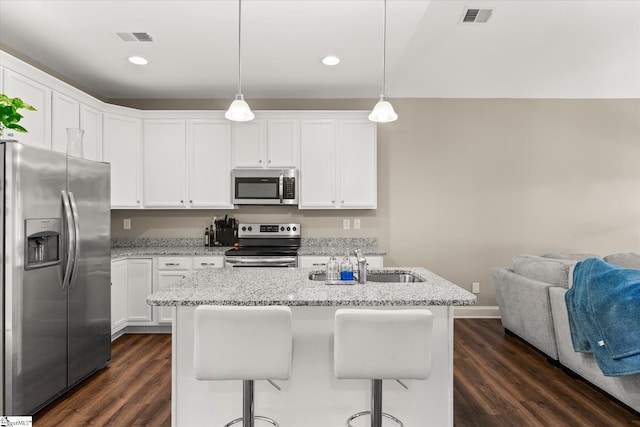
346,268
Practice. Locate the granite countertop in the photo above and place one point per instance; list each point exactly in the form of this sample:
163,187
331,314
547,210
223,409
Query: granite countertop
143,251
292,287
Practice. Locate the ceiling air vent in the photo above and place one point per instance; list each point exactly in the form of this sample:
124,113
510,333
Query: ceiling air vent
135,37
479,16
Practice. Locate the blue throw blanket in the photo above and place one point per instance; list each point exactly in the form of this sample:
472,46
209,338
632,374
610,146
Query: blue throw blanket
604,315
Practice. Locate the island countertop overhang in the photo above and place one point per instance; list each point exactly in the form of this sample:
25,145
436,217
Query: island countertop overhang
292,287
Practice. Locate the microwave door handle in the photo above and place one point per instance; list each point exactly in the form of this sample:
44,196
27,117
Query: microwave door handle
281,187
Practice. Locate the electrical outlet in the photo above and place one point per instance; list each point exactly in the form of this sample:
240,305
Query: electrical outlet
346,224
126,224
356,224
475,287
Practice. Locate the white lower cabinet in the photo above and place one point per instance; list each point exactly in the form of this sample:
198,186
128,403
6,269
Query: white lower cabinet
320,261
134,279
169,271
139,287
118,295
165,280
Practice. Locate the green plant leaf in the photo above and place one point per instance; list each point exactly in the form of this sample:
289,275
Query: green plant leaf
9,116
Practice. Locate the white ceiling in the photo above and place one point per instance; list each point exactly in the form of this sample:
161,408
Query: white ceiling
528,49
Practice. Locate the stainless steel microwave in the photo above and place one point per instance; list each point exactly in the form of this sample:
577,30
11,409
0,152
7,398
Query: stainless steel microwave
264,186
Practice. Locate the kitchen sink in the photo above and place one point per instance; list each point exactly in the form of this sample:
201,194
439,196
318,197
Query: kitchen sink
379,276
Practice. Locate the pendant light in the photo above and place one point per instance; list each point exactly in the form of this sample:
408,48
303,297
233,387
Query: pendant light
383,111
239,110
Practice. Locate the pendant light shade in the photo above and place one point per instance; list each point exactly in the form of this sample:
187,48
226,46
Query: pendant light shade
239,110
383,111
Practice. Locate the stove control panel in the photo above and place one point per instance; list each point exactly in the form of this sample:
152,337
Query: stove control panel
268,230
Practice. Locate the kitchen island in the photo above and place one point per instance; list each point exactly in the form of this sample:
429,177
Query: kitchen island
312,397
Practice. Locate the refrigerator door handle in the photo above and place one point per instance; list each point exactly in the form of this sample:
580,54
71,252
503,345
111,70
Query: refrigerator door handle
76,239
70,252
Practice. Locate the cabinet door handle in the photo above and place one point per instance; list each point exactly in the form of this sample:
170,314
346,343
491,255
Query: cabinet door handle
191,201
259,161
319,264
208,263
181,201
171,264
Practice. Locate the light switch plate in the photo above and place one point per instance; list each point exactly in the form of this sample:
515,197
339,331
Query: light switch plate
126,224
356,224
346,224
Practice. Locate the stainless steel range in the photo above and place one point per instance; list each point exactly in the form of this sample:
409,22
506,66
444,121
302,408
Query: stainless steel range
265,245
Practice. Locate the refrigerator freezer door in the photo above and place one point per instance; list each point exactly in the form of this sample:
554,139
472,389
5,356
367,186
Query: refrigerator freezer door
35,306
90,284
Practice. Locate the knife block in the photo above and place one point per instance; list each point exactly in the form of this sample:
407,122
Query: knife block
227,237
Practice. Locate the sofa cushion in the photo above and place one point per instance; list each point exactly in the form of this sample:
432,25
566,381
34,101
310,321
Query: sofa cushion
558,272
624,260
571,257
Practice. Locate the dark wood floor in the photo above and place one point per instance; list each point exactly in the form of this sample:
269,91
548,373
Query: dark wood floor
498,381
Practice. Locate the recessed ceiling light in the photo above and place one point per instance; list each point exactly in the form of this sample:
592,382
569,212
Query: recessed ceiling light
330,60
138,60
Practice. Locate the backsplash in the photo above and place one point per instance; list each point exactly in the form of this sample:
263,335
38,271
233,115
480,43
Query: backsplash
330,245
340,243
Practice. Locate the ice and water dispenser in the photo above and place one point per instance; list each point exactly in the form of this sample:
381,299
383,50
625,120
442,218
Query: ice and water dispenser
42,237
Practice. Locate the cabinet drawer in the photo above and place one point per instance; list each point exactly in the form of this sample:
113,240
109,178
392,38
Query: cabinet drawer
202,262
174,263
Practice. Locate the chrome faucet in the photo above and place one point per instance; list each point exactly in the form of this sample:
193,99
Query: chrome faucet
362,266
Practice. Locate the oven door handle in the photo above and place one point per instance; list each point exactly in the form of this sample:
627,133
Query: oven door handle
258,262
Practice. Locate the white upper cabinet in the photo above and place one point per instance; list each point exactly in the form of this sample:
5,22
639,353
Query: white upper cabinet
65,114
248,144
317,164
69,113
164,163
122,148
91,123
338,166
266,143
37,123
209,163
357,188
283,143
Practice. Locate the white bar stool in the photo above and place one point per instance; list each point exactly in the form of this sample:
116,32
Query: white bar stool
382,344
243,343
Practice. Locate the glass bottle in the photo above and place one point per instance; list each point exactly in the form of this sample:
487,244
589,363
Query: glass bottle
74,142
346,268
333,269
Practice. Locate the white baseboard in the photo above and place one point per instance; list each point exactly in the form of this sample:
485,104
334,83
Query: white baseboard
469,312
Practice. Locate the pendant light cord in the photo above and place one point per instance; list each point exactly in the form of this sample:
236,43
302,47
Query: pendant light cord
239,46
384,49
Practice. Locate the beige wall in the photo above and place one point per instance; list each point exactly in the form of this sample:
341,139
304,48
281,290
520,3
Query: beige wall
464,184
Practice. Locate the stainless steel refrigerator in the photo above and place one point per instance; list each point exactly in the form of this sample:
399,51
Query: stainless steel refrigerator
56,303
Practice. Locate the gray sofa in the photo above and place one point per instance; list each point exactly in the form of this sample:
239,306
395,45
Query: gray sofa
530,296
